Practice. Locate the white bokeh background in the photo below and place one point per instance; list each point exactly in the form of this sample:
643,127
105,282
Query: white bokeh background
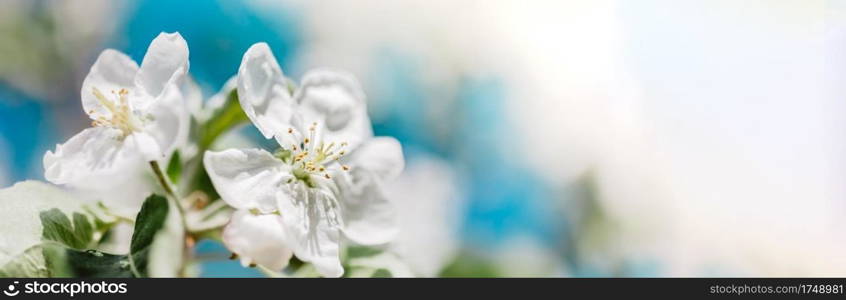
712,130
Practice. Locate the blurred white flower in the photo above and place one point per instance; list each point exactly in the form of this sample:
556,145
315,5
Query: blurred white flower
198,112
300,199
139,116
204,111
429,207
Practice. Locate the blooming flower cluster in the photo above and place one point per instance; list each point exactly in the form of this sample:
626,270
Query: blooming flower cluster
138,114
321,188
321,184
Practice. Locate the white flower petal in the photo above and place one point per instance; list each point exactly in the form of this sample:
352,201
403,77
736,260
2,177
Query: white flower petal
123,195
193,95
258,239
246,178
369,217
169,122
92,158
310,235
166,61
380,155
146,146
112,71
100,165
263,92
336,102
429,205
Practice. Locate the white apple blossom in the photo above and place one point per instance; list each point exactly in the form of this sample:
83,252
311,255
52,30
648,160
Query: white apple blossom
138,116
429,205
324,181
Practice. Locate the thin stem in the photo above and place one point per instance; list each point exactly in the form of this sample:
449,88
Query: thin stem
163,181
119,218
169,191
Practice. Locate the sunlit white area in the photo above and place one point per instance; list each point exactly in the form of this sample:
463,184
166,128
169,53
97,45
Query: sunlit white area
541,138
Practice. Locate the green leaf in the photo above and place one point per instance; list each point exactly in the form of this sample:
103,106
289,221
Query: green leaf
382,273
93,263
62,253
360,251
228,117
48,243
471,265
166,253
67,257
57,227
150,220
174,168
203,183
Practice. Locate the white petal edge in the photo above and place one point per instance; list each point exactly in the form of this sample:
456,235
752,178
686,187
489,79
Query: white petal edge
310,235
246,178
165,62
93,158
146,145
335,100
370,218
258,239
102,167
263,92
381,156
169,120
112,71
192,94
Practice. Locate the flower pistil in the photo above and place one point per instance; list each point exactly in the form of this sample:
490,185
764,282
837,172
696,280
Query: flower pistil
120,115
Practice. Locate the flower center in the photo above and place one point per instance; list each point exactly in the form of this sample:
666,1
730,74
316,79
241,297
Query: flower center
120,115
311,163
308,159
